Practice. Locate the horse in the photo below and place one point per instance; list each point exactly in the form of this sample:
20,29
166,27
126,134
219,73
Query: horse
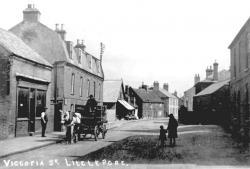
71,121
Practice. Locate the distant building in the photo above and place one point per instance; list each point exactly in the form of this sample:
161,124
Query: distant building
212,104
146,102
170,100
113,99
76,73
25,88
212,76
240,79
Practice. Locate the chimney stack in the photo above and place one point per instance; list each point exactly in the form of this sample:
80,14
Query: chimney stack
80,44
156,85
196,78
215,77
61,31
31,14
165,86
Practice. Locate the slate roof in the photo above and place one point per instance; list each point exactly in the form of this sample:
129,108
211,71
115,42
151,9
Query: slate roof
168,94
213,88
111,90
16,46
148,96
52,47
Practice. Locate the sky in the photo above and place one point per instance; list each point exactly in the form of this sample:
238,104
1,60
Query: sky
145,40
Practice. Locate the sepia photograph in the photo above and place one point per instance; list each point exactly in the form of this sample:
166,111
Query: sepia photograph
124,84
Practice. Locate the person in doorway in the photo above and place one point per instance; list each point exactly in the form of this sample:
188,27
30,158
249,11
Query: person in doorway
44,121
91,104
162,136
172,129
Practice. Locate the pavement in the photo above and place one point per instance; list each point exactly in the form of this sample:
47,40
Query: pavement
27,143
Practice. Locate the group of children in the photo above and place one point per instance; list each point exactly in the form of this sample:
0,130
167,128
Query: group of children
171,130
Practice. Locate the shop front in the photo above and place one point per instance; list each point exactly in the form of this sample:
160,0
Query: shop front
31,100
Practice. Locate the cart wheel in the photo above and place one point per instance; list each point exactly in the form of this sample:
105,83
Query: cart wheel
96,132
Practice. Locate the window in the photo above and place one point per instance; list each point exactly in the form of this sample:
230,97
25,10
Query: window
100,91
246,55
70,50
72,83
234,56
79,56
90,61
41,102
23,102
94,89
98,66
239,63
81,86
88,92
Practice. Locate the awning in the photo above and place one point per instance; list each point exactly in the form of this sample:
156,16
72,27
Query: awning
126,105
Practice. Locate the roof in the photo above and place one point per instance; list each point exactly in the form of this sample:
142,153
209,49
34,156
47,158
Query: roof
166,93
49,44
148,96
16,46
213,88
243,28
111,90
126,105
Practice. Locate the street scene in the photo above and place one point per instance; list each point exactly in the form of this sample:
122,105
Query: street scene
124,84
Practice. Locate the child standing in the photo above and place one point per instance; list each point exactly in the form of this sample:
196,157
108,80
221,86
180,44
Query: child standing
162,136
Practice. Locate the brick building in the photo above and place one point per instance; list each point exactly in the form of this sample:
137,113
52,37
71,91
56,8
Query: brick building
24,88
212,104
213,75
170,100
240,79
147,103
76,73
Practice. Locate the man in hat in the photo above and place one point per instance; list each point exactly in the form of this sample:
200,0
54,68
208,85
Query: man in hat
44,121
91,103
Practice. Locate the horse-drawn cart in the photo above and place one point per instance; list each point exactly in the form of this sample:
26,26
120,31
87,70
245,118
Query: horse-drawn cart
93,123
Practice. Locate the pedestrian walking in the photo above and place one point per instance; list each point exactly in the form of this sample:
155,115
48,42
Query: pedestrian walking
44,121
162,136
172,129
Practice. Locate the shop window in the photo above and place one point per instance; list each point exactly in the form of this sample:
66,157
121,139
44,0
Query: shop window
23,102
88,92
41,102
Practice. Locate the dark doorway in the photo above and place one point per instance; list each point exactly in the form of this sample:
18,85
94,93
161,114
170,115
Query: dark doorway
57,118
32,112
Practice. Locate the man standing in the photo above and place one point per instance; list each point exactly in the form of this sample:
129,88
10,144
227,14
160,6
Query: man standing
91,104
44,121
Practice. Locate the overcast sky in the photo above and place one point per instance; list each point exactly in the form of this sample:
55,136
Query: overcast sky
146,40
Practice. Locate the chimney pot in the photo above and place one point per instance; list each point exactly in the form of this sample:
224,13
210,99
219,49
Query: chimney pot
62,27
57,26
29,6
82,42
78,41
